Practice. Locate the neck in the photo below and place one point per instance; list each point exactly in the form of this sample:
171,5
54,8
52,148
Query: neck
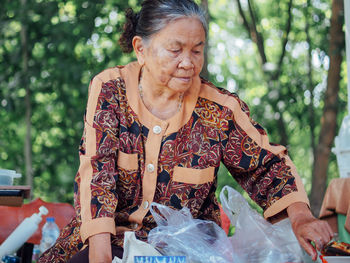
161,102
154,91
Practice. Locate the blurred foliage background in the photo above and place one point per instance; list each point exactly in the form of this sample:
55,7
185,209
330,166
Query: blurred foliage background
50,49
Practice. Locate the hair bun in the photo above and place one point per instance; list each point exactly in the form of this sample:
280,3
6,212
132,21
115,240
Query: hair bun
129,30
154,16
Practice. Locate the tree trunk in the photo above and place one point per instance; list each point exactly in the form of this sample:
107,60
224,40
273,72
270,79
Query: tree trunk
329,117
28,141
255,35
205,72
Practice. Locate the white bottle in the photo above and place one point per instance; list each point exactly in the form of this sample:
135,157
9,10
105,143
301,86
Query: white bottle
22,233
50,233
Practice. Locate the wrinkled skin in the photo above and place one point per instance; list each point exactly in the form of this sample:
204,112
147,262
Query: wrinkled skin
100,249
307,228
171,59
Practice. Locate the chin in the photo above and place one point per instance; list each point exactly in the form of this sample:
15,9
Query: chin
182,86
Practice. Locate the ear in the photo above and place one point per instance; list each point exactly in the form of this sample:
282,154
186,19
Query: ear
139,49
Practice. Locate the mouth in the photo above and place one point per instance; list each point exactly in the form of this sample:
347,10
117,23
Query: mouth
184,79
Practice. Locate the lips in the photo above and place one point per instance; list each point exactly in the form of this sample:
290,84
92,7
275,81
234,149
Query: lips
184,79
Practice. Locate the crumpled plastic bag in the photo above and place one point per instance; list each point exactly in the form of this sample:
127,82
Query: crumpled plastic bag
256,240
134,247
178,234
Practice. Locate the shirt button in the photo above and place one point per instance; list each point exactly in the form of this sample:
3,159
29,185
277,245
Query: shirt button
157,129
145,205
150,168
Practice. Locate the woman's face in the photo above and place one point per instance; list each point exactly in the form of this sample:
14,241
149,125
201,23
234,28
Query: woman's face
174,56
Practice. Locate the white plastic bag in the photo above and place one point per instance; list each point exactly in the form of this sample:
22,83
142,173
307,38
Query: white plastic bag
256,240
134,247
178,234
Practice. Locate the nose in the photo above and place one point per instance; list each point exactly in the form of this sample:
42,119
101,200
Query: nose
186,62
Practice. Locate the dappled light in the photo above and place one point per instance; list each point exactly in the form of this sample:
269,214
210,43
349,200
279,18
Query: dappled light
70,41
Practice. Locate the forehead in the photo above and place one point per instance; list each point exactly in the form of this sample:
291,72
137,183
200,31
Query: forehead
182,30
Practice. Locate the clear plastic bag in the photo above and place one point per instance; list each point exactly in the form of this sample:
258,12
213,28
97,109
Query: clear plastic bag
178,234
256,240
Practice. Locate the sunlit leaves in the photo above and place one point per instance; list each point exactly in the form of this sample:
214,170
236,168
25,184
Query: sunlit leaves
68,42
236,58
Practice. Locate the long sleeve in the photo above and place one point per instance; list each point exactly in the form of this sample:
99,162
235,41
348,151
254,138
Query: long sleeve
263,169
95,183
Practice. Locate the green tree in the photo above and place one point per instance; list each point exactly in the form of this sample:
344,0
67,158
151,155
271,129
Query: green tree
49,51
277,59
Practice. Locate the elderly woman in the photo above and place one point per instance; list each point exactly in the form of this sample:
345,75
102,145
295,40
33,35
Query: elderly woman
156,132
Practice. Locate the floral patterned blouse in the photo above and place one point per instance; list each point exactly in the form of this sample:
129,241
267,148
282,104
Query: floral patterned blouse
130,158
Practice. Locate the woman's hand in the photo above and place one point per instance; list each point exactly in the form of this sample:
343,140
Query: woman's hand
307,228
100,249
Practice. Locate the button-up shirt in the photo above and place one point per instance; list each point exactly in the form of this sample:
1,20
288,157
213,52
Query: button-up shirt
129,158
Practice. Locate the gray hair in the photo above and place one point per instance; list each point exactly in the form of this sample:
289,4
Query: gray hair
155,15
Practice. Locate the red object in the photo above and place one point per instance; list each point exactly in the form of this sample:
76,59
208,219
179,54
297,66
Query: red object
323,259
11,217
225,221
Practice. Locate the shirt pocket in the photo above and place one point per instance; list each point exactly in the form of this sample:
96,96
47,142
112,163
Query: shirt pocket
193,176
127,161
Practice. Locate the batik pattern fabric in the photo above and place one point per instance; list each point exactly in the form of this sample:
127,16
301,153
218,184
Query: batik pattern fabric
123,141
